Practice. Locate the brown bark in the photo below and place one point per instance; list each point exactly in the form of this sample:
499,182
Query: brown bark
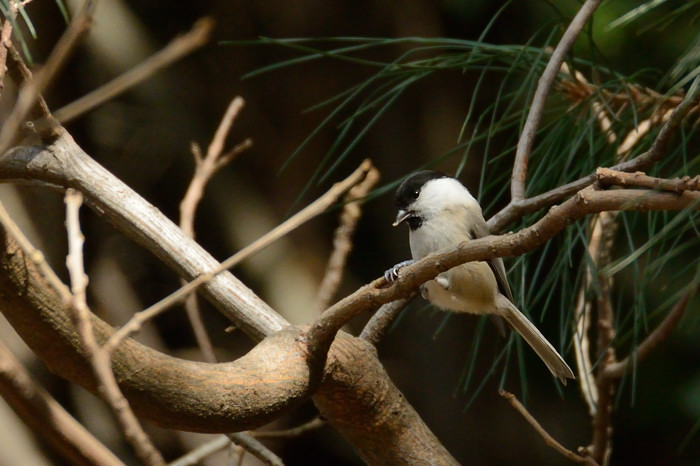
356,395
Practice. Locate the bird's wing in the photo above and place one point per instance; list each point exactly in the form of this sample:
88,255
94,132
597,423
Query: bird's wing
478,229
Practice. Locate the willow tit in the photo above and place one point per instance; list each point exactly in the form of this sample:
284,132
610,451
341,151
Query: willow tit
441,213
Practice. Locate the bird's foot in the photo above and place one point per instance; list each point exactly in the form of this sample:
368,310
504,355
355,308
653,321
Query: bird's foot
393,273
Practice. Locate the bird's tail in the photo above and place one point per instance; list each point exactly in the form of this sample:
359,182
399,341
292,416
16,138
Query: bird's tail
516,319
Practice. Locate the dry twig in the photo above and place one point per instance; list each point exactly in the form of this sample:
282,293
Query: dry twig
32,89
601,446
544,85
583,318
197,455
342,240
608,177
99,358
548,439
175,50
661,332
205,168
219,443
5,42
255,448
379,323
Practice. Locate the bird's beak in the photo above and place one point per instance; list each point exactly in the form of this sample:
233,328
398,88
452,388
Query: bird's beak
401,216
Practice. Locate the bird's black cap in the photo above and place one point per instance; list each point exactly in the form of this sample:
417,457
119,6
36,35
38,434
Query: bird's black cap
410,188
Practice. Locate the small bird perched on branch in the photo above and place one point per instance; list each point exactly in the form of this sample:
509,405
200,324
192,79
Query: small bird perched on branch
441,213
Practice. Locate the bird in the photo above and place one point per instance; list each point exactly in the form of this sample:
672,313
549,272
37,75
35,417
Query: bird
441,213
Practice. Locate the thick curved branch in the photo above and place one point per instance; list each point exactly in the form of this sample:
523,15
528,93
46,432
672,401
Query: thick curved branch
66,165
240,395
355,394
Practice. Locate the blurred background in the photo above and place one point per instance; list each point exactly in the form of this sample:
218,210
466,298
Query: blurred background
144,137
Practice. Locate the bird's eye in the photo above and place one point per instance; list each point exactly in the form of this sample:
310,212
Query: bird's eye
415,193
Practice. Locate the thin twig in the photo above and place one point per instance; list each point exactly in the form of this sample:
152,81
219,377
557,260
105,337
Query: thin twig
601,445
204,170
654,339
32,89
35,255
256,448
312,210
197,455
548,439
22,76
220,442
5,44
236,454
313,424
583,317
206,167
175,50
379,323
100,359
46,417
342,240
544,85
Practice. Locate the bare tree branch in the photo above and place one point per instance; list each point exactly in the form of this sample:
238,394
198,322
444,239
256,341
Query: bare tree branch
204,170
33,88
98,357
583,318
608,177
544,85
65,164
176,49
379,323
5,44
355,395
548,439
660,333
257,449
342,240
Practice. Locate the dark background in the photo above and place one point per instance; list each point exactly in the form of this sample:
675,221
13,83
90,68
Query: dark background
144,136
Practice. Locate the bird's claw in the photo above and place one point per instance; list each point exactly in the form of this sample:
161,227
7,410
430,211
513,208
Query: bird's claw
393,273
